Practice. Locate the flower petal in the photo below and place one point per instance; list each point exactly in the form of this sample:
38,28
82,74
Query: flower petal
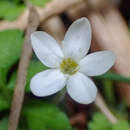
77,39
46,49
81,88
47,82
97,63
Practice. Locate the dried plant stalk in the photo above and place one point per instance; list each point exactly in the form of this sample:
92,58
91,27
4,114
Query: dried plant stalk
99,102
33,22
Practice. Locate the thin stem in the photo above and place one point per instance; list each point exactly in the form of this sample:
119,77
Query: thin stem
33,22
99,102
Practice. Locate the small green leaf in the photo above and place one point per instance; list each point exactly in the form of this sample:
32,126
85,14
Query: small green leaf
121,125
10,48
4,124
114,77
108,91
15,1
10,11
39,2
12,82
99,122
44,116
4,104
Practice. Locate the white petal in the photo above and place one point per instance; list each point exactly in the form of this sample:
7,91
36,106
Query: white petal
81,88
46,49
77,39
47,82
97,63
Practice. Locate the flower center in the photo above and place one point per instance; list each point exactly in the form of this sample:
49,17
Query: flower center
69,66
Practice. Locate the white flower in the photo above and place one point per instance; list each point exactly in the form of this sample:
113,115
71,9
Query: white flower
69,64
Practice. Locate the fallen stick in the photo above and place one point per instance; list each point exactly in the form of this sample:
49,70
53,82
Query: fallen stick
52,8
100,104
17,101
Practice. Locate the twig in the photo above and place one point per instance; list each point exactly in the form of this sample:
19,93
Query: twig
33,22
99,102
52,8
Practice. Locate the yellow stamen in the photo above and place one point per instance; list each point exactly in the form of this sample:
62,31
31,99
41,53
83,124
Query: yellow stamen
69,66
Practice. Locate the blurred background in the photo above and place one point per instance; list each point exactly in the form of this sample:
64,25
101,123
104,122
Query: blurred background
19,108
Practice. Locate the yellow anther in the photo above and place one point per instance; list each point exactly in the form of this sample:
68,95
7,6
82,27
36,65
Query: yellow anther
69,66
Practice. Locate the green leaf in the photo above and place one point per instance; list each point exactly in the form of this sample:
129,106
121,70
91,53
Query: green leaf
4,124
44,116
114,77
3,72
15,1
10,48
4,104
12,82
108,90
10,11
121,125
39,2
99,122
